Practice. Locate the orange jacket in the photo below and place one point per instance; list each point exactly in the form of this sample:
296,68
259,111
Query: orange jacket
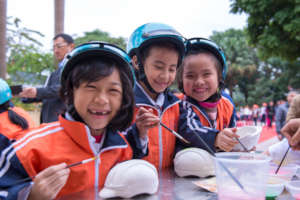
70,142
10,129
161,144
194,122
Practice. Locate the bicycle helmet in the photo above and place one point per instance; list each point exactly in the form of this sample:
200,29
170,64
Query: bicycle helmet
202,43
5,91
97,49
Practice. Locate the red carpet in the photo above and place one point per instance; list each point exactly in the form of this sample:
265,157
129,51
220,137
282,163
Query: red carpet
267,133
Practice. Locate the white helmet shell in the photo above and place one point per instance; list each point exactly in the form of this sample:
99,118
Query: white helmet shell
130,178
194,162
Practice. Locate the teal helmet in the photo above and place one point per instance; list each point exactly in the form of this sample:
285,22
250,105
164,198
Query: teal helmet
152,32
97,49
5,92
148,34
195,44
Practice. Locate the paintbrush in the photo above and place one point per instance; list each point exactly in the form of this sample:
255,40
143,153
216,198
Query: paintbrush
243,146
175,133
222,165
283,158
68,166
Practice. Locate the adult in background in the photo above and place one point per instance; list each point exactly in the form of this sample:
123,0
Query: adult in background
281,112
49,95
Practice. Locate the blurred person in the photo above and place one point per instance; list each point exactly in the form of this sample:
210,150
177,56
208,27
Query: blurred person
49,94
270,113
255,113
263,113
281,112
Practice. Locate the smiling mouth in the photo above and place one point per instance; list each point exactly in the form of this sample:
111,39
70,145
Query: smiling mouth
103,113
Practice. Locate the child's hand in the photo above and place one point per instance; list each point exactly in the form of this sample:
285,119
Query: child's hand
49,182
145,120
225,139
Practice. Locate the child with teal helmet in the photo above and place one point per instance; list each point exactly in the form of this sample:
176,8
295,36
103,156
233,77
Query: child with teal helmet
12,119
97,87
156,51
201,79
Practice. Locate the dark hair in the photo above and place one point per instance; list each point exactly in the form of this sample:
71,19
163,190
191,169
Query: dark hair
218,66
14,117
94,69
144,52
67,38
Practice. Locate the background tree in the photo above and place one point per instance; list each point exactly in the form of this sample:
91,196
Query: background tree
241,59
59,16
27,63
273,26
101,36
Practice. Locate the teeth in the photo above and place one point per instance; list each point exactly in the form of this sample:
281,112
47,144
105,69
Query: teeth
99,113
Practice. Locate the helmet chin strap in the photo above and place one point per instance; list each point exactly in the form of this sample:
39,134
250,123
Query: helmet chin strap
141,74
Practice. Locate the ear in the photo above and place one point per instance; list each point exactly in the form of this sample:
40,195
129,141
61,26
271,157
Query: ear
135,62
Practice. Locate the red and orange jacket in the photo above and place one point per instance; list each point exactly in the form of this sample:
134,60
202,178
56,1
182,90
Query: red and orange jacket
63,141
10,129
161,143
194,120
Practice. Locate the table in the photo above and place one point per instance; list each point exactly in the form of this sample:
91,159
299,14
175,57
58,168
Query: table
171,187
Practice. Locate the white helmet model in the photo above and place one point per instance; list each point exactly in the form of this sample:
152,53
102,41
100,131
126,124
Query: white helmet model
194,162
130,178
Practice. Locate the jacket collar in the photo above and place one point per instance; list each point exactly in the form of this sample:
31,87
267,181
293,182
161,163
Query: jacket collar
81,134
141,97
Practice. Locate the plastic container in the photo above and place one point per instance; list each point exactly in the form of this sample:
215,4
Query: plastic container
249,169
249,136
275,186
285,172
294,189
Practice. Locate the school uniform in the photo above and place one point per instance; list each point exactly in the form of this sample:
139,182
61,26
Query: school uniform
194,120
9,129
66,141
161,143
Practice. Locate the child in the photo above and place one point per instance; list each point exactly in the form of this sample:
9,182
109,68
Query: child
201,79
156,50
13,120
96,85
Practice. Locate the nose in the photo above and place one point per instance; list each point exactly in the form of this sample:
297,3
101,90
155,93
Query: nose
101,98
164,75
199,80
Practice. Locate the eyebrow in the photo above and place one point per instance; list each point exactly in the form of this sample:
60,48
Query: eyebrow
162,63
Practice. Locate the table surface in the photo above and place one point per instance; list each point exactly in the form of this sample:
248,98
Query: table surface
170,187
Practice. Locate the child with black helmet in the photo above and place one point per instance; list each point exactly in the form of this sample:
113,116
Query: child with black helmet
201,79
13,119
156,50
96,85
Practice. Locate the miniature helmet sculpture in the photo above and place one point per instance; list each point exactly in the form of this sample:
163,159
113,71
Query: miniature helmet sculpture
130,178
194,162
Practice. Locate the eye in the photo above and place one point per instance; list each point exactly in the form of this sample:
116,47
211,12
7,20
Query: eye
189,76
173,69
158,67
115,91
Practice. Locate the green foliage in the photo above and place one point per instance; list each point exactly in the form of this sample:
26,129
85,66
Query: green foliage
273,26
98,35
26,62
241,59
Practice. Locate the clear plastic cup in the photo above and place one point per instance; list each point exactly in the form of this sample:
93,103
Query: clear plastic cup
248,169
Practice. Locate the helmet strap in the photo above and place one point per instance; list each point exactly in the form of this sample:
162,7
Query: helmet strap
141,74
